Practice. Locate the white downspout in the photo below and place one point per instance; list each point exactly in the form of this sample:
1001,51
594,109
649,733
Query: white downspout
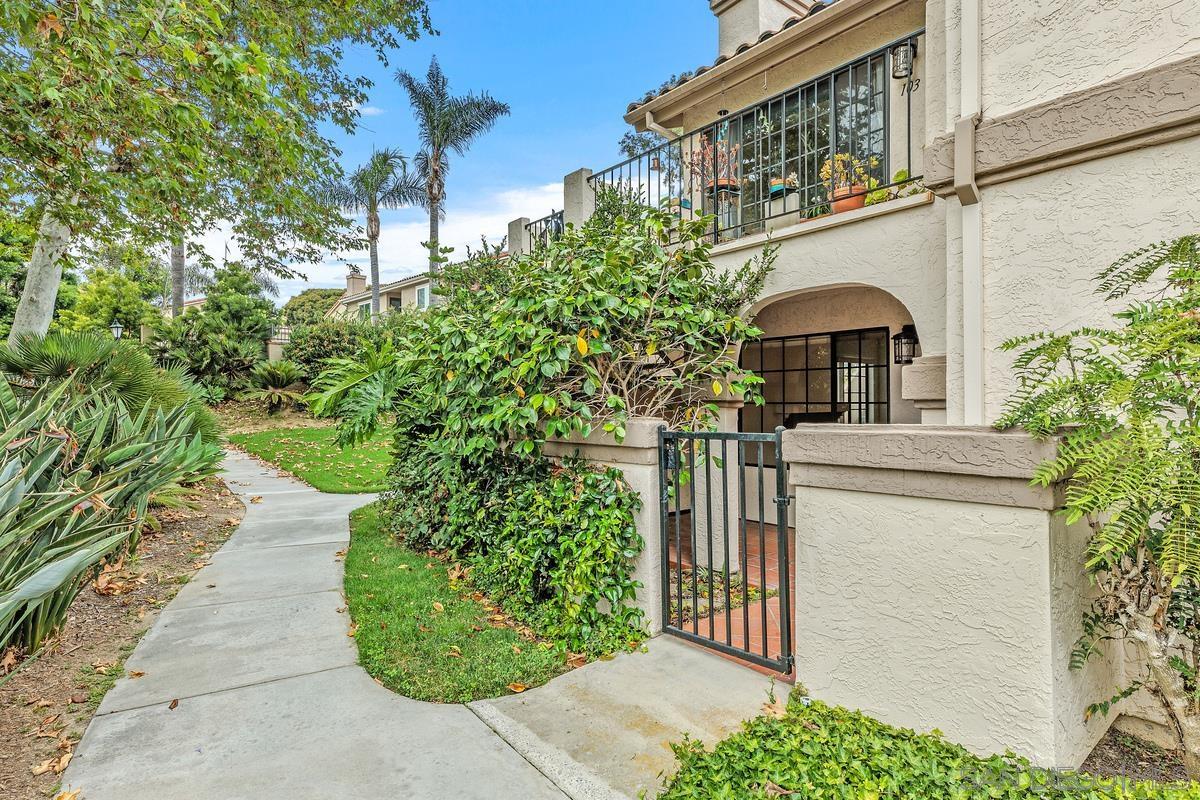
971,106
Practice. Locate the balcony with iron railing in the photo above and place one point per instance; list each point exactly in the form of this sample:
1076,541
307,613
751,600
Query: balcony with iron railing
844,140
547,229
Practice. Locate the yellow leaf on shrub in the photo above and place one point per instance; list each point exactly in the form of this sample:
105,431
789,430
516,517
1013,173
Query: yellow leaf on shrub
582,345
717,387
652,348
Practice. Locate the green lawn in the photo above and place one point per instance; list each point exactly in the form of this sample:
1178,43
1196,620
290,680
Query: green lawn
421,637
312,455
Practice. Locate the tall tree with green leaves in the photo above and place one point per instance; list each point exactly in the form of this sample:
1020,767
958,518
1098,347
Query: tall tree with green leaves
445,124
383,182
132,119
309,307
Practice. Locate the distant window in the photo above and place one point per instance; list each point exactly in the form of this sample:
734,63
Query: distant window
422,297
364,311
395,303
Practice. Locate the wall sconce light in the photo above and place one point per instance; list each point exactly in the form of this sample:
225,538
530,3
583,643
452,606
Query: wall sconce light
904,345
903,56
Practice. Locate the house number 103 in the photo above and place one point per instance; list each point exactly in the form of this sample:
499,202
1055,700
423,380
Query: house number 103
910,86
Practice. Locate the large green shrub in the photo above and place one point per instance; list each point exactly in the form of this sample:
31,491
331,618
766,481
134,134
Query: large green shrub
813,750
608,322
309,307
554,545
311,346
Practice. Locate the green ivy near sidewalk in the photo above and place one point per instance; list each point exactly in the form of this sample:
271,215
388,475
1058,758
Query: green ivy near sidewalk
812,750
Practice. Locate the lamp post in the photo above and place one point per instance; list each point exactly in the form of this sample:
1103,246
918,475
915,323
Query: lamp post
117,329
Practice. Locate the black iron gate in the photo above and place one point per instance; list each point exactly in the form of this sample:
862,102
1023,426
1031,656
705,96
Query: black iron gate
726,569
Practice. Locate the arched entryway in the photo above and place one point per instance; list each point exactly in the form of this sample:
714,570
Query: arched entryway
826,356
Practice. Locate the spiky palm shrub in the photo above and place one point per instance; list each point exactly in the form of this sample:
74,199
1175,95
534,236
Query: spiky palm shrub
76,477
1128,398
94,366
275,384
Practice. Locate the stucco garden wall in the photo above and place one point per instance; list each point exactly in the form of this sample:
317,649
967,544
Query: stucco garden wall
935,589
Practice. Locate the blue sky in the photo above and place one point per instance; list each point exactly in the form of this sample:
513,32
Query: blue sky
568,69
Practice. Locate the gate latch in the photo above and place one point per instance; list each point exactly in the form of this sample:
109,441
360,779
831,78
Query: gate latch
785,500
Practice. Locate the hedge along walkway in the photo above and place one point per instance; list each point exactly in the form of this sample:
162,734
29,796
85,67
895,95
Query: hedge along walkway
248,685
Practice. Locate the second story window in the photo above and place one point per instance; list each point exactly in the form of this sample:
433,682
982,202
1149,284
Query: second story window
835,143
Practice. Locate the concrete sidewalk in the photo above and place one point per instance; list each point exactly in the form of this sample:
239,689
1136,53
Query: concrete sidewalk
271,701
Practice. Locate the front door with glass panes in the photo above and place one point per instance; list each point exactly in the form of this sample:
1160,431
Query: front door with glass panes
821,377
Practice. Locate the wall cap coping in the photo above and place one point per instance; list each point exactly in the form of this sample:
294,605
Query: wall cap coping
946,449
942,462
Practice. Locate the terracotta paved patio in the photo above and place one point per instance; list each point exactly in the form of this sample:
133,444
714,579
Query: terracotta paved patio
755,624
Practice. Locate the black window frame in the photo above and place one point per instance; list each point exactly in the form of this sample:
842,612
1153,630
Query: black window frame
861,405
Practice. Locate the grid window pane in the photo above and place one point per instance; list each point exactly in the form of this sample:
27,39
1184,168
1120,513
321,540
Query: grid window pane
829,377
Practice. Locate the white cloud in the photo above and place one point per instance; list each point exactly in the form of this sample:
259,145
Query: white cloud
401,234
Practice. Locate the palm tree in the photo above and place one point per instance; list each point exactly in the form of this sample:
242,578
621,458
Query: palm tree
382,182
445,123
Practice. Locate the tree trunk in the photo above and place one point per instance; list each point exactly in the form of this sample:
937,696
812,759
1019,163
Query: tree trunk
1172,692
178,277
374,247
434,210
35,310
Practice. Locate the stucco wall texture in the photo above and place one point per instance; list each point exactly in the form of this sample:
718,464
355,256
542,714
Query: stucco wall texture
1046,237
955,616
1037,51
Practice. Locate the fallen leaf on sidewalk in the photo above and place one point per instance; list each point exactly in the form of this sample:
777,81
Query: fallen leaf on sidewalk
256,499
72,795
137,673
517,687
174,704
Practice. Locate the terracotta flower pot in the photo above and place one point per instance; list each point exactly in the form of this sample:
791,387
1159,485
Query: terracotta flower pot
848,198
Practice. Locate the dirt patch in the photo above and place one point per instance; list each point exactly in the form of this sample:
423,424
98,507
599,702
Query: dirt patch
45,705
245,417
1119,755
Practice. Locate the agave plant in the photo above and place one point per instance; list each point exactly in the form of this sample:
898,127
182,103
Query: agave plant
76,478
276,384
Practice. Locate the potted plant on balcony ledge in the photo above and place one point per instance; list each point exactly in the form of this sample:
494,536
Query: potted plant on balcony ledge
847,180
716,168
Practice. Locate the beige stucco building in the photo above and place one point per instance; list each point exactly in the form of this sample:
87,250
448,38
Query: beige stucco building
1009,150
355,303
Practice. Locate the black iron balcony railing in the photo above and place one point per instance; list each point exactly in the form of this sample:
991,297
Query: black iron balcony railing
834,143
545,230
